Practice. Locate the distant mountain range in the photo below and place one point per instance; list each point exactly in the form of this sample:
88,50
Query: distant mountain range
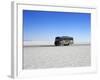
29,43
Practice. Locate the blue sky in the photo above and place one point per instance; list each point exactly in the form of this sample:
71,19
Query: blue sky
46,25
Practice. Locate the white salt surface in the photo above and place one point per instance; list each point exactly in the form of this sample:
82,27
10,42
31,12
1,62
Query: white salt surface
49,56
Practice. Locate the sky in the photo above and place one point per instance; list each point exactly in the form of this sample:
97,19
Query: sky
46,25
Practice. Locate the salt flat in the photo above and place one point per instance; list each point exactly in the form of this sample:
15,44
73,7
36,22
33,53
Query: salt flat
50,56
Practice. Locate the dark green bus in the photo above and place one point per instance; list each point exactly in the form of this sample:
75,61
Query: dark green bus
63,41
